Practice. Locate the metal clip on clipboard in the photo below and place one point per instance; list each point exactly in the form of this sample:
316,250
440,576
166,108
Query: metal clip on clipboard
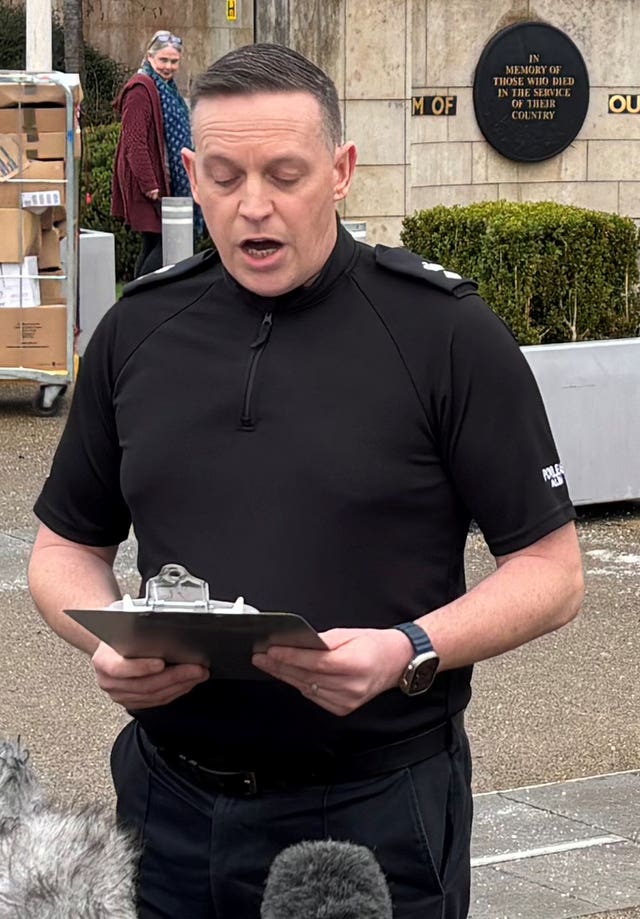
175,589
178,621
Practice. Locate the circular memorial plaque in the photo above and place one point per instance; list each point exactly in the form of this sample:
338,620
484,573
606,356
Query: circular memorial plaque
530,91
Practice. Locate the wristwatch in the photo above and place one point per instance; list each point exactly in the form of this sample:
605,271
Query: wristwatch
421,670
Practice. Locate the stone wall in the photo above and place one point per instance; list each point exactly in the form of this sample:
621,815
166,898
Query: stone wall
382,52
122,29
452,163
376,90
363,47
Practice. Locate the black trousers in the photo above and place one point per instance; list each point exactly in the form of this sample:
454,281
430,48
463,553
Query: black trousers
208,855
150,258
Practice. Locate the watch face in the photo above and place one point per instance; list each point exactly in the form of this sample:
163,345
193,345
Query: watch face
420,673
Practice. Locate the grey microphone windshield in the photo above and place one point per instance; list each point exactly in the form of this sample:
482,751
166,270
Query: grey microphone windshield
326,880
57,860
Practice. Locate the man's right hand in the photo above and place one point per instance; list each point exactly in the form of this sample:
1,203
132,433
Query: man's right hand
143,682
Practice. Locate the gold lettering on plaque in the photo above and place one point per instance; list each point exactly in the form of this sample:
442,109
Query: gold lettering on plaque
534,89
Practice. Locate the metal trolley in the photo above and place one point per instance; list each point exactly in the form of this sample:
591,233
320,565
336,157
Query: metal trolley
61,89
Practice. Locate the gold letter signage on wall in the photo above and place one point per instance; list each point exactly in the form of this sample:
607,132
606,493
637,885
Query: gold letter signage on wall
434,105
624,104
530,91
232,11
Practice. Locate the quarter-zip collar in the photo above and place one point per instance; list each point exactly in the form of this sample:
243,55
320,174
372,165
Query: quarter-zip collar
342,258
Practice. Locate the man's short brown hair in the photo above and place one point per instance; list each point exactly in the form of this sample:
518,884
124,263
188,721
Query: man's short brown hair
271,68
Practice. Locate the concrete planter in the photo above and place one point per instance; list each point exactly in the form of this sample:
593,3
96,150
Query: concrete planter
591,391
96,281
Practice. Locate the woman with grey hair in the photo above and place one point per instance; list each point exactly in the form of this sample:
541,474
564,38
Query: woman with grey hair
148,165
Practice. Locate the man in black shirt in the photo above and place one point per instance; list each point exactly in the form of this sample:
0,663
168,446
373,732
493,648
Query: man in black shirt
312,424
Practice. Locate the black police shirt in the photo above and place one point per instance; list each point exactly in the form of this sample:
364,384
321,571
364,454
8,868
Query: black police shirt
321,453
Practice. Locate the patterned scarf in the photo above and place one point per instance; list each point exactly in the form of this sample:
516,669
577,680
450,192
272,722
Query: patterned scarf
177,134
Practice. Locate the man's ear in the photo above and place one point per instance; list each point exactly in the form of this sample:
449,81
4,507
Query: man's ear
344,169
189,163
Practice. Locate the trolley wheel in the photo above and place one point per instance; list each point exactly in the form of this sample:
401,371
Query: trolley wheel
47,401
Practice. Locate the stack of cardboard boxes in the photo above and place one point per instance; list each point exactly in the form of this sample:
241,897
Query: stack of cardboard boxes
34,194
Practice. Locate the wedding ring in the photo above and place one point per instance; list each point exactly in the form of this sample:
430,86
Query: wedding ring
314,688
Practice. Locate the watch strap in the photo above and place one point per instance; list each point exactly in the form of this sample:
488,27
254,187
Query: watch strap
417,636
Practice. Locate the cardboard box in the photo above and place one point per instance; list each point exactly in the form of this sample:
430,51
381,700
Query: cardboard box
20,234
46,218
61,227
53,287
19,284
49,255
37,112
54,218
13,158
49,91
34,177
35,338
49,146
46,146
33,120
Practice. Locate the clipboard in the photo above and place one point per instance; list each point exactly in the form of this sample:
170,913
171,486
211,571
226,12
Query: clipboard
178,622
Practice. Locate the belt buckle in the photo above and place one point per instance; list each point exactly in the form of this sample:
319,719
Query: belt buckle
242,783
249,784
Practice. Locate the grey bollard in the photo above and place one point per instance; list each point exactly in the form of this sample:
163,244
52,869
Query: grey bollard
177,229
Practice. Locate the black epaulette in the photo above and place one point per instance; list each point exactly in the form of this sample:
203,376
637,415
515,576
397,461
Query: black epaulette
402,261
189,266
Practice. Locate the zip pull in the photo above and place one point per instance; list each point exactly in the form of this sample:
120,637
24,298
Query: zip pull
256,349
264,331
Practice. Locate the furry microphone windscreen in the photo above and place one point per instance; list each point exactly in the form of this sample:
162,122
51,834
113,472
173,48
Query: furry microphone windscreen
326,880
58,862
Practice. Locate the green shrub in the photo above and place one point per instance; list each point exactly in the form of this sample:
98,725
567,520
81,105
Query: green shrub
553,272
102,82
99,151
13,38
103,77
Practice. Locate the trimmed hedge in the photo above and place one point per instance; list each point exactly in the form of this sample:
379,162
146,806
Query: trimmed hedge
553,272
98,156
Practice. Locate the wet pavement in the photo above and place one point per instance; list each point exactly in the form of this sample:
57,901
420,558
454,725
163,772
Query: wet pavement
556,835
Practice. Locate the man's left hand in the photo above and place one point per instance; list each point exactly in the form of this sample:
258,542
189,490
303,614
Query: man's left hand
359,665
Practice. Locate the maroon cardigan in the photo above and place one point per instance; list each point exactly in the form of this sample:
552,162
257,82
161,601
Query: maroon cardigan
141,162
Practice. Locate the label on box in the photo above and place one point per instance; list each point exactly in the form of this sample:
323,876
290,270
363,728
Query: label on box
41,198
12,158
19,285
34,338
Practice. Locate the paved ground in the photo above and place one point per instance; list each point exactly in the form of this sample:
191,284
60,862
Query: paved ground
563,708
563,850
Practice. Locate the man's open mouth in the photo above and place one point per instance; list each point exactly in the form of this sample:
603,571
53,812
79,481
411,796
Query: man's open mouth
261,248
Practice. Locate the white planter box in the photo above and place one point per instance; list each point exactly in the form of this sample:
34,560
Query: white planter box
591,391
96,281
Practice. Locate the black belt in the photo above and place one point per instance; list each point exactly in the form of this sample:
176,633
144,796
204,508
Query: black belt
321,771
